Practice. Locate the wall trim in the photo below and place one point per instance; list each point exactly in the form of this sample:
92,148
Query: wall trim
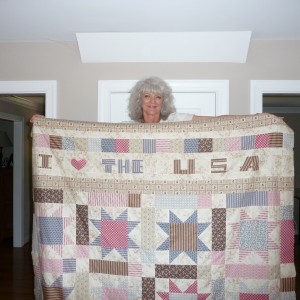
260,87
49,88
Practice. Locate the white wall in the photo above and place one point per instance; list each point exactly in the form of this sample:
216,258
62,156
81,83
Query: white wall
77,82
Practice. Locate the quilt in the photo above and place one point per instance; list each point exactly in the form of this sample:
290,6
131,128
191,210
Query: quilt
187,210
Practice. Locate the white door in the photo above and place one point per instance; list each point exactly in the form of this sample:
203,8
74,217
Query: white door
199,97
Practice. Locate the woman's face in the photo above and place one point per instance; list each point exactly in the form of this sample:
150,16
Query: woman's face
151,104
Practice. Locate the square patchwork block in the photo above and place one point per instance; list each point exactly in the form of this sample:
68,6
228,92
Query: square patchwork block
122,145
254,235
191,145
51,230
68,143
108,145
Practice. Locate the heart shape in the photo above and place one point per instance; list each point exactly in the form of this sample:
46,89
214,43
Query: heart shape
78,164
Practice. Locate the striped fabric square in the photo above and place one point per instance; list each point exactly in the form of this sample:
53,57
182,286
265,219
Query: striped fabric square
42,140
69,265
149,145
236,200
262,141
233,143
163,145
68,143
122,145
191,145
94,145
276,139
108,145
55,142
248,142
183,237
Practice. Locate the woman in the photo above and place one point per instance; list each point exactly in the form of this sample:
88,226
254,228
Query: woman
151,101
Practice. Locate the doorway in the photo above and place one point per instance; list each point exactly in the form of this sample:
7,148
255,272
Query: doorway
49,89
282,98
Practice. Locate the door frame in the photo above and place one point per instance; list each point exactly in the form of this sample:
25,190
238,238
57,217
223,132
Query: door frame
219,87
49,89
260,87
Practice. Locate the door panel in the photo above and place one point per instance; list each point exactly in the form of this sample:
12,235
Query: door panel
195,97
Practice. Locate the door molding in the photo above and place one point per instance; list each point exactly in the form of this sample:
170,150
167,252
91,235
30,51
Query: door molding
49,88
219,87
260,87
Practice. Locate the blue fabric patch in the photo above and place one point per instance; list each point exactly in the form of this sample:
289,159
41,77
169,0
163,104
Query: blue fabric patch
191,146
248,142
254,235
68,143
94,145
51,230
108,145
149,146
69,265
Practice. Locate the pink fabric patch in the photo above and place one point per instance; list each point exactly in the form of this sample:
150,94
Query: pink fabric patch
52,265
163,145
108,199
135,270
287,241
218,257
114,234
173,288
111,293
202,296
273,198
43,140
82,251
262,141
204,201
247,271
122,145
234,144
163,295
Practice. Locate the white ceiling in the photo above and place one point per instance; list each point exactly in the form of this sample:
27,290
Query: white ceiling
60,20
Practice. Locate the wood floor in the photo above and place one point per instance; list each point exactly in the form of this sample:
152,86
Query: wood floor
16,274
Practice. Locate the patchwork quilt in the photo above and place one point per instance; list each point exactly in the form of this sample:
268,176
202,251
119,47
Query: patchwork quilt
187,210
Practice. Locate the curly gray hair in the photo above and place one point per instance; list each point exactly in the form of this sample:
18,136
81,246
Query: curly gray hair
150,85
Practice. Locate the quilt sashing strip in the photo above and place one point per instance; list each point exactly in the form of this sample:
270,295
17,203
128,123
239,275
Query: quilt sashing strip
124,213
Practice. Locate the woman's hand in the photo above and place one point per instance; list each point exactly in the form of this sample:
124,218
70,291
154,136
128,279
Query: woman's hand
32,119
